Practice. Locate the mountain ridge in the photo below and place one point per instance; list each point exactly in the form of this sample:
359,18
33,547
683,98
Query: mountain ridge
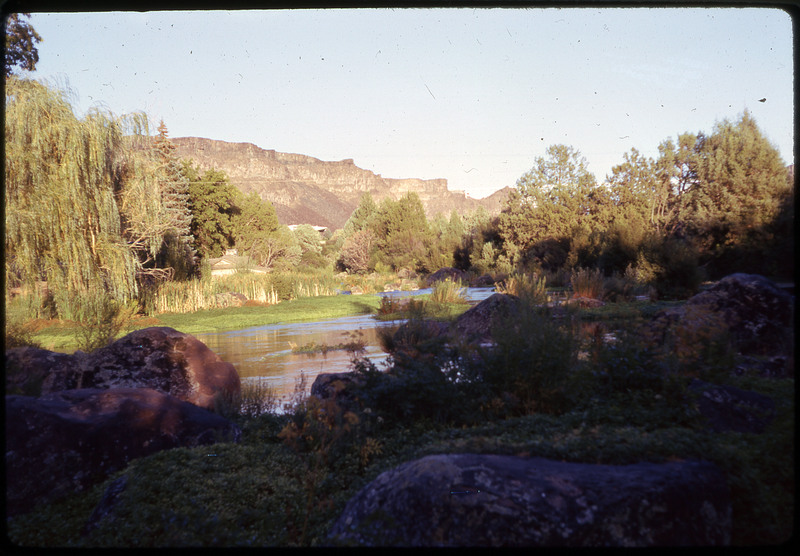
306,190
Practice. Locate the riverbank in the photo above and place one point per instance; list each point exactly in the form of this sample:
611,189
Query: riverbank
61,335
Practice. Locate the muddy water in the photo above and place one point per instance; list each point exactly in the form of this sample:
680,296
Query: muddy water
265,352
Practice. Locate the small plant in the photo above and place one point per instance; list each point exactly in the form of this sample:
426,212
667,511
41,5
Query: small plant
255,398
448,291
587,283
531,288
101,319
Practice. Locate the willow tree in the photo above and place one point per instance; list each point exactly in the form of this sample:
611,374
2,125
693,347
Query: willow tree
79,199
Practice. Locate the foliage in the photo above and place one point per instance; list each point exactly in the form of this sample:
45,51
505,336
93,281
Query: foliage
177,252
530,288
212,200
20,43
255,228
101,319
255,398
63,180
357,251
534,363
740,182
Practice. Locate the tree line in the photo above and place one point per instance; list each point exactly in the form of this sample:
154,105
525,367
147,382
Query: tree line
98,205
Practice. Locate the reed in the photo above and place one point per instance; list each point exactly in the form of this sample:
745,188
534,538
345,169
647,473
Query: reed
531,288
205,293
587,283
448,291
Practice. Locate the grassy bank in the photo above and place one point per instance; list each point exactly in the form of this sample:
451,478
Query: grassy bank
60,335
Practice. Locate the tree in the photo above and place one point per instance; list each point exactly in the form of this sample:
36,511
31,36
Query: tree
402,232
362,217
253,228
357,251
21,39
212,200
66,184
177,252
557,198
739,188
308,239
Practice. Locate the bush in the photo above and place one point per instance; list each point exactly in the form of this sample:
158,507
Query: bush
533,363
101,319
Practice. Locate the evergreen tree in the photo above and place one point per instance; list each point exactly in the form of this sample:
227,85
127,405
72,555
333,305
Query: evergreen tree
362,217
177,252
558,198
402,231
212,201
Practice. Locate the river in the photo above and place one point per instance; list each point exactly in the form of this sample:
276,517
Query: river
264,353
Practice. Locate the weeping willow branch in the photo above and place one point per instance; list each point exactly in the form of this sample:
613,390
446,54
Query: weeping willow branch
82,202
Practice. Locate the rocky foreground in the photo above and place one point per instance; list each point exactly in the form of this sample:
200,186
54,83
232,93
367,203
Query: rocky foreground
153,390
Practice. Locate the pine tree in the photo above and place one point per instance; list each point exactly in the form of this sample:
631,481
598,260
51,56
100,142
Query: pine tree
177,252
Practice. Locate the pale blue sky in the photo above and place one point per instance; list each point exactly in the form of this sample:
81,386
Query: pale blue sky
470,95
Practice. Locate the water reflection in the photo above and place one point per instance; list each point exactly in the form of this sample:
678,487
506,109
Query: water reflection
265,352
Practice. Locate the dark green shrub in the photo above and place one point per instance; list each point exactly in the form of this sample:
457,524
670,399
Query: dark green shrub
533,361
283,286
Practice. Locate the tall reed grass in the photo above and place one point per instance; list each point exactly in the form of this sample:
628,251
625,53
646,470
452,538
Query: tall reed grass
587,283
448,291
206,293
531,288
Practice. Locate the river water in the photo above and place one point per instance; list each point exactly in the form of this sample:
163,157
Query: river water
264,353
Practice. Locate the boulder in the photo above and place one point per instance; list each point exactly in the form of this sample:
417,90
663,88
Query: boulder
160,358
493,500
445,273
757,313
476,323
64,442
484,281
27,367
727,408
338,386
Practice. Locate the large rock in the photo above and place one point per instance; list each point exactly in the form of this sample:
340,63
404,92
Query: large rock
160,358
338,386
67,441
757,313
727,408
477,322
492,500
446,273
27,367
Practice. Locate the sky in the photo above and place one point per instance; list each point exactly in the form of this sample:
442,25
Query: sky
471,95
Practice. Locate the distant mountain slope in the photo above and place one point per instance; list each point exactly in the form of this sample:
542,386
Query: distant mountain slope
306,190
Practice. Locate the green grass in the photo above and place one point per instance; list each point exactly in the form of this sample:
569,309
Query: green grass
62,336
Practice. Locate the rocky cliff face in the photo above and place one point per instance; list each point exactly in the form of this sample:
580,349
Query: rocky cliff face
306,190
